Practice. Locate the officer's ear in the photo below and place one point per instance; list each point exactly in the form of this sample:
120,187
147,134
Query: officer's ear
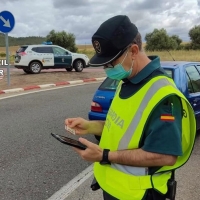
134,50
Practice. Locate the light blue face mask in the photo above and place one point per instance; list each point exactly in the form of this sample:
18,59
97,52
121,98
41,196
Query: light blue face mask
118,72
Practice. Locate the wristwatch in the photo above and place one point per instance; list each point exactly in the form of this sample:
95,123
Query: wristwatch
105,160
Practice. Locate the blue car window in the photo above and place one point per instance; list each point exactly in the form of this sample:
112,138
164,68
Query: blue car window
190,88
109,84
169,72
194,78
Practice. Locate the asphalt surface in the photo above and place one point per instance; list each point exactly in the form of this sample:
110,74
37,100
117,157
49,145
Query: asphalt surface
33,165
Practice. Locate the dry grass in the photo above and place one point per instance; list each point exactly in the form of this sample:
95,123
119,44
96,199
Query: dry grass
181,55
12,49
82,47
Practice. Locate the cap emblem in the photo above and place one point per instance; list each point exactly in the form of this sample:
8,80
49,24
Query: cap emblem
97,46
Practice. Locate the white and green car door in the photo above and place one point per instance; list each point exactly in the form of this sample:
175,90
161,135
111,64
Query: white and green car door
61,57
44,54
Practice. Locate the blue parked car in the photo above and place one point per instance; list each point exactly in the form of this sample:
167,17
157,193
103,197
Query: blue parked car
186,76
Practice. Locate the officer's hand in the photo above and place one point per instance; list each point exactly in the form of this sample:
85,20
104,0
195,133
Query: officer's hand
93,152
80,125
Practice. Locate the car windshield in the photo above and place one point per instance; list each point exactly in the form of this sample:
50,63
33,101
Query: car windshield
109,84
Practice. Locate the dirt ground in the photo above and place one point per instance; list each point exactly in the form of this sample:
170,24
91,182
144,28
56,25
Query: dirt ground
20,79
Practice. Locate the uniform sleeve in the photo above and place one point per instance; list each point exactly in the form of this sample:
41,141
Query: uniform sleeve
163,132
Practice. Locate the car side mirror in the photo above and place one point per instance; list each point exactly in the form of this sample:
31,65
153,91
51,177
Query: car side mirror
66,53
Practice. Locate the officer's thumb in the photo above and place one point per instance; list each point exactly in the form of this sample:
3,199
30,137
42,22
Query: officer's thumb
73,123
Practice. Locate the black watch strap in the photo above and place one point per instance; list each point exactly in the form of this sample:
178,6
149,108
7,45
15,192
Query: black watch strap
105,160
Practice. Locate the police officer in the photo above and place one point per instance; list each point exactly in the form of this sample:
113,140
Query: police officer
145,136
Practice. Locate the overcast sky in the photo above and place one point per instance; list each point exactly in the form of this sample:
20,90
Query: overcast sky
83,17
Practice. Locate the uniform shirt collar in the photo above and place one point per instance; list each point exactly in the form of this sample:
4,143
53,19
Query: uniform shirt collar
147,70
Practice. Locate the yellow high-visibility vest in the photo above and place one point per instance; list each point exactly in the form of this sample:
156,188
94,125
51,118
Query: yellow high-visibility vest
123,129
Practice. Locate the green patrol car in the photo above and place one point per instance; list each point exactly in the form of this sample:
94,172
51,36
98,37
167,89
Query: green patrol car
34,58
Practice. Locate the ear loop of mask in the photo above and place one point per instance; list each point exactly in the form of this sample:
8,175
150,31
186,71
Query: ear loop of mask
124,57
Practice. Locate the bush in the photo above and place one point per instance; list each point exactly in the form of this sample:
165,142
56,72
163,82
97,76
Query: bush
2,54
159,40
182,47
188,46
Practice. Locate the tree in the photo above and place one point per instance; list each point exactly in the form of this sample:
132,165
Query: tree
194,35
159,40
177,39
63,39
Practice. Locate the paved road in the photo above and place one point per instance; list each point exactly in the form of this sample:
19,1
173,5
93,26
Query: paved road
33,165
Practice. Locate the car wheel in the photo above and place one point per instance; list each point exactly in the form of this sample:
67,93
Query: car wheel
69,69
78,65
35,67
27,71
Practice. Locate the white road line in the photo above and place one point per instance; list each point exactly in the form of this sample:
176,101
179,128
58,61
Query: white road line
43,90
71,186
